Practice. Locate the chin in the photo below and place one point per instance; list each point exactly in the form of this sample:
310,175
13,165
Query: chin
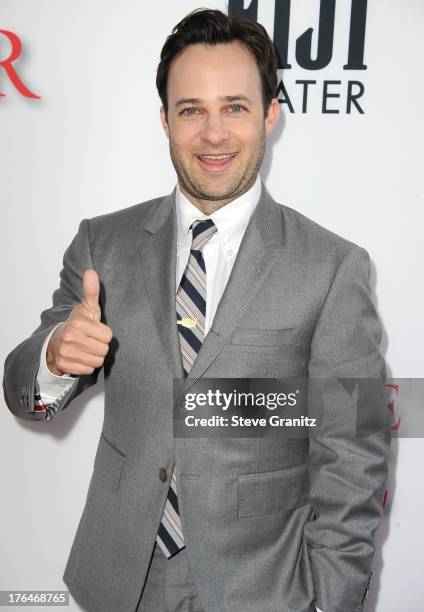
215,192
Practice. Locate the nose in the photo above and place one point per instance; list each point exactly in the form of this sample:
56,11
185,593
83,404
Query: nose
214,129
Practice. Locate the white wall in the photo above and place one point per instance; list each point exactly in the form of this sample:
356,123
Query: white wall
94,144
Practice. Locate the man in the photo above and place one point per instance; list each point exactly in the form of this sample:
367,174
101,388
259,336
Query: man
215,280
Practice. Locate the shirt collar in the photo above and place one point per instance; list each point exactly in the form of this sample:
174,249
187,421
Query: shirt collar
231,220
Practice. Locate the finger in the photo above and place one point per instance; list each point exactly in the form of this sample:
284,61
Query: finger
91,289
80,324
78,369
69,356
87,344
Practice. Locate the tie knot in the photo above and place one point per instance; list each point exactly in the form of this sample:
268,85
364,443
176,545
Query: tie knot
202,231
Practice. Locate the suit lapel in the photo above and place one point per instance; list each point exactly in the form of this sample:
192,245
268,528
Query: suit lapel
158,253
259,249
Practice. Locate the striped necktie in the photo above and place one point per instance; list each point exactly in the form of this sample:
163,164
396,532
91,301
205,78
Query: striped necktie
191,312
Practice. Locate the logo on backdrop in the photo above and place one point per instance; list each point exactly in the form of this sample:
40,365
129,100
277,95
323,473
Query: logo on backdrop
300,96
8,67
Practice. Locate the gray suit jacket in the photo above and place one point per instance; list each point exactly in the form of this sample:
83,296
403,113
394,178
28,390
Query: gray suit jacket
271,525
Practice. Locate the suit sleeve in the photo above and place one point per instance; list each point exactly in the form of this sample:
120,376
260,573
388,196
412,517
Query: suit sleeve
22,364
348,464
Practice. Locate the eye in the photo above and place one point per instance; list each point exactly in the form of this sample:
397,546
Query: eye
189,111
236,109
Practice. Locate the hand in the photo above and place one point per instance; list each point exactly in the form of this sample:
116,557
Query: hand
80,344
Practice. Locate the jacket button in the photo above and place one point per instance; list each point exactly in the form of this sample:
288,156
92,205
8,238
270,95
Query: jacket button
162,474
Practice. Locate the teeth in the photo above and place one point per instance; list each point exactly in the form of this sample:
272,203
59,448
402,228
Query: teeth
215,157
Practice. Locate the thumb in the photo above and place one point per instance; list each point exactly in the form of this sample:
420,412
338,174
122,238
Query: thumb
91,288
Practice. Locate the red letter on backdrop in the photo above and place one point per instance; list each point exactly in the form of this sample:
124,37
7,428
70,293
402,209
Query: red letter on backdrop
10,71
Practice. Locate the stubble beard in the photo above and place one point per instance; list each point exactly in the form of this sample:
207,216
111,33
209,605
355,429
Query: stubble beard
240,183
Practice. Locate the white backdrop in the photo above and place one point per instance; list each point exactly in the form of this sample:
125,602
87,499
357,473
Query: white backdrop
93,143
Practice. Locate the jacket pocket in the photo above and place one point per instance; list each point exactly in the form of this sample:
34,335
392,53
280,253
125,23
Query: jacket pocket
108,463
270,492
249,336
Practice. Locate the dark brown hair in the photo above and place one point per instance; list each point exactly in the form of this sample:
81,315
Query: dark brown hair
213,27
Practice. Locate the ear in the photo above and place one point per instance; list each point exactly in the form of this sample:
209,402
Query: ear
272,116
164,121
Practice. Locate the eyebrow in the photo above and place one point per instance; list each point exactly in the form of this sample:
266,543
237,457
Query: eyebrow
236,98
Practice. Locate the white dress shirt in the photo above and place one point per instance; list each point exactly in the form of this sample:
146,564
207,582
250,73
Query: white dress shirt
219,254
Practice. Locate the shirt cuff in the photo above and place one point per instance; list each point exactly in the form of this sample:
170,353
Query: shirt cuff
52,387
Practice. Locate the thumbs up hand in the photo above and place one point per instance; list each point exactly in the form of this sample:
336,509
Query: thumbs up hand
80,344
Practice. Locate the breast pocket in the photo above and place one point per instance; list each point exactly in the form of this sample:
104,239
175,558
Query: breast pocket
272,338
108,463
277,491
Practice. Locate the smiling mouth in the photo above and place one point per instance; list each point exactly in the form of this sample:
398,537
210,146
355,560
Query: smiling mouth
217,162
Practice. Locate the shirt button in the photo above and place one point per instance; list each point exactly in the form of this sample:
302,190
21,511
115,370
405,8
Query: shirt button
229,253
162,474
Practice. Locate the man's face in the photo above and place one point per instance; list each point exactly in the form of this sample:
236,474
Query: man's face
216,124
